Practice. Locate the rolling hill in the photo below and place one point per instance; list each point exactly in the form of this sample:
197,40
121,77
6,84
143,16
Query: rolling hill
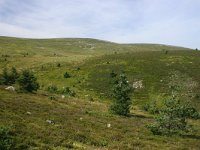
46,120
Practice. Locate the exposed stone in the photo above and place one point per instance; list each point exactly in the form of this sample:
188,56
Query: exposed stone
10,88
138,85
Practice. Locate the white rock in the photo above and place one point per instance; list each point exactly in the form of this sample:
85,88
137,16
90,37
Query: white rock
63,96
50,121
138,84
10,88
108,125
28,113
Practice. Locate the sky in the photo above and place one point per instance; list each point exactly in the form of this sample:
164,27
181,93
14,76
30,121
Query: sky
172,22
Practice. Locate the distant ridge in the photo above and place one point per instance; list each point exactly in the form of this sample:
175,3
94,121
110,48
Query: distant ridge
89,39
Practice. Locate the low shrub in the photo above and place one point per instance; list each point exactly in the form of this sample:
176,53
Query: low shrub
27,81
151,108
113,74
121,93
68,91
9,77
58,65
52,89
66,75
172,117
52,98
6,138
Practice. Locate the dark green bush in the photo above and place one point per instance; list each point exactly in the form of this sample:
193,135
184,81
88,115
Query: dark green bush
189,111
6,138
14,75
151,108
68,91
9,77
5,79
27,81
58,65
121,93
172,118
66,75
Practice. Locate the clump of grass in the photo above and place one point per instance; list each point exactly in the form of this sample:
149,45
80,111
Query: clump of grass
68,91
67,75
52,88
58,65
52,97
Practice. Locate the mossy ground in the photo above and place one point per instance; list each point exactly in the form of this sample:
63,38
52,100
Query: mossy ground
80,122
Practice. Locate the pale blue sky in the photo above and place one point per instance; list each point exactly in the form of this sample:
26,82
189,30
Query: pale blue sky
174,22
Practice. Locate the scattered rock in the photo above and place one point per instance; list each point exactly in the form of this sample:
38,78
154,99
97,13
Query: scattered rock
10,88
28,113
50,121
138,85
108,125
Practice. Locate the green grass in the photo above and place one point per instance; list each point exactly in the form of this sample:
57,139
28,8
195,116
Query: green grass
154,68
91,132
81,121
44,51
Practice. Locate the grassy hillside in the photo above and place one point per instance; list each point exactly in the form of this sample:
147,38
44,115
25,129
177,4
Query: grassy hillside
153,68
81,122
37,52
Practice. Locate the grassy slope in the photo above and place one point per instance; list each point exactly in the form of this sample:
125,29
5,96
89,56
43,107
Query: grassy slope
45,51
80,123
154,68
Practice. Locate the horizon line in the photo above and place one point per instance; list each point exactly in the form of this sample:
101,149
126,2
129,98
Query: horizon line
147,43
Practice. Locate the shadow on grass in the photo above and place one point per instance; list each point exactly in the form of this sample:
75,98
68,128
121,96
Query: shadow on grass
191,136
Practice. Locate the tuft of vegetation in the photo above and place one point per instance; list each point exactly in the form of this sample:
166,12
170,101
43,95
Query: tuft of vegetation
172,117
6,138
113,74
58,65
67,75
5,77
27,81
14,75
68,91
9,78
52,89
121,94
52,98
